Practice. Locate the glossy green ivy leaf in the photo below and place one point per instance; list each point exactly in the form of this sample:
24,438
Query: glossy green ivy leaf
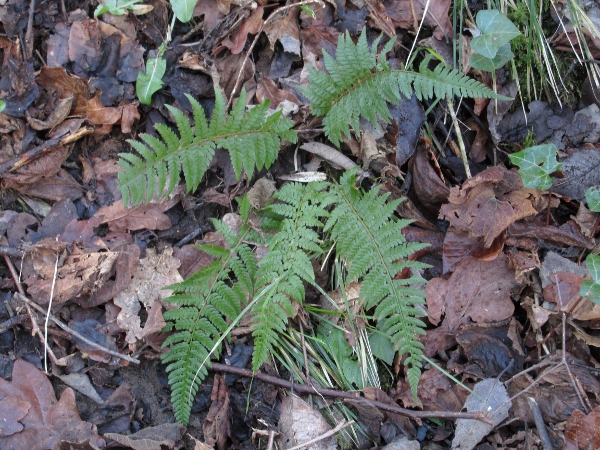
503,56
150,81
536,164
183,9
496,30
115,7
591,288
592,197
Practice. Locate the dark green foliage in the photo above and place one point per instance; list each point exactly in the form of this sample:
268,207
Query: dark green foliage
206,301
369,236
360,84
251,138
287,266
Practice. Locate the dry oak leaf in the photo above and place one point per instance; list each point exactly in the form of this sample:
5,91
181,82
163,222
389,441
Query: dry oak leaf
583,431
48,423
489,203
477,291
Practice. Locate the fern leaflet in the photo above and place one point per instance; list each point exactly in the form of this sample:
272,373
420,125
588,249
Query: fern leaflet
303,209
206,300
251,138
369,237
359,84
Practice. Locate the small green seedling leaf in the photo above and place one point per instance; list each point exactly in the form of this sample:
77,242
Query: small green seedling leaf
591,288
2,106
150,81
308,11
592,197
115,7
382,347
496,31
183,9
536,164
503,56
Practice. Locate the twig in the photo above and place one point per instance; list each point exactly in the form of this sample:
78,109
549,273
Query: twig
74,333
47,147
539,423
330,433
249,52
11,251
354,396
29,32
461,144
54,277
271,439
34,325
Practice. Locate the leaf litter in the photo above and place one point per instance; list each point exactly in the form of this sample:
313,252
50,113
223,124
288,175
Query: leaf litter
505,279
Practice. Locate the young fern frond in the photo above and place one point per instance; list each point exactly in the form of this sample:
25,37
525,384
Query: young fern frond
251,138
303,209
359,84
206,301
369,237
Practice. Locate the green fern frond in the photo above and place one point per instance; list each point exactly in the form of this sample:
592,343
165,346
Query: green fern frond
251,138
206,300
303,209
369,237
359,84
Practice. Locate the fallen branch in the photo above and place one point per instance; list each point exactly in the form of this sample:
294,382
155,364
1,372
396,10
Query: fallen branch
72,332
354,396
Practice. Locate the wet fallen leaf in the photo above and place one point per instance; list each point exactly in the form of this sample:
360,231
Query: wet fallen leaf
477,290
488,203
48,422
300,423
250,25
286,30
146,289
583,431
151,438
267,89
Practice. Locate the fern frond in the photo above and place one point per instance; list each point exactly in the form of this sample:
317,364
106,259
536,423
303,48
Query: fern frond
370,238
359,84
251,137
303,209
206,301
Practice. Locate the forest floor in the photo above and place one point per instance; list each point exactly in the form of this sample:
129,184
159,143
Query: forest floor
81,316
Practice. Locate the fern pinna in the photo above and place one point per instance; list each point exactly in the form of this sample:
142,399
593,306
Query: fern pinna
206,302
302,209
251,138
369,237
359,84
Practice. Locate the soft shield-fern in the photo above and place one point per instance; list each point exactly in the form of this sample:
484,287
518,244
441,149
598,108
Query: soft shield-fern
369,237
360,83
251,137
206,302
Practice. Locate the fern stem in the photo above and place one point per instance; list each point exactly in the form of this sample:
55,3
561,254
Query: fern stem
461,144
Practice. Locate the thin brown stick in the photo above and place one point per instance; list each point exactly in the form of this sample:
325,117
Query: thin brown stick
34,325
74,333
354,396
249,52
29,32
47,147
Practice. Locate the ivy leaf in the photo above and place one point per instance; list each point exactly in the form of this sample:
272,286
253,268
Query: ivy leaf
115,7
150,81
591,288
536,164
496,30
382,347
503,56
592,196
183,9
